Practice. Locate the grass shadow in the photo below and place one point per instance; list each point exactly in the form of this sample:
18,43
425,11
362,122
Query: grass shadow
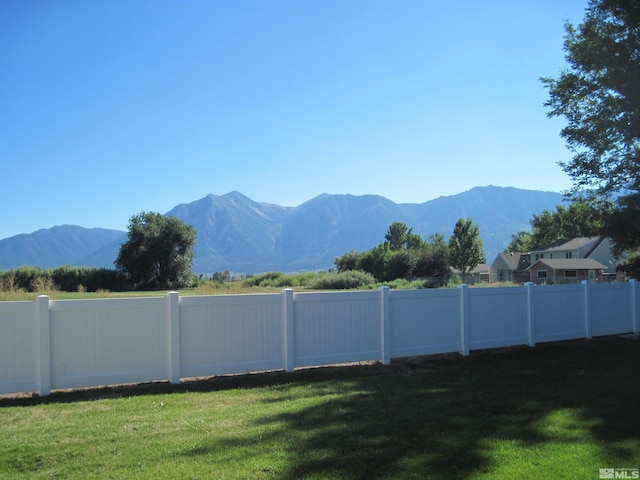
441,417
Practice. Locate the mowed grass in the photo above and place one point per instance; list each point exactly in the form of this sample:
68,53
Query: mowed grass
559,410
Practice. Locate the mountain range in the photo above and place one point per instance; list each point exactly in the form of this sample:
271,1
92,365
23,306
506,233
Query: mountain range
238,234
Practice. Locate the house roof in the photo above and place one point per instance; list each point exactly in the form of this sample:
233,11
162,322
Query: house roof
480,268
570,264
515,260
572,244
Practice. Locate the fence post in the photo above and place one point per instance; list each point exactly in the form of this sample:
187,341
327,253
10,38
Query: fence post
385,326
634,307
587,308
288,330
44,345
173,336
531,317
464,319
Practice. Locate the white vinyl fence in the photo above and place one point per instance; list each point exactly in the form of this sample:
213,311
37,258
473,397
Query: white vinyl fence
47,345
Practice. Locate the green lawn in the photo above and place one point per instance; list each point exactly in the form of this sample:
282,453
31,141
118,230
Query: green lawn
560,410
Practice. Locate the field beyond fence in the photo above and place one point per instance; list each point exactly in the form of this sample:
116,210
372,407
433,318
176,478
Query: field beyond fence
57,344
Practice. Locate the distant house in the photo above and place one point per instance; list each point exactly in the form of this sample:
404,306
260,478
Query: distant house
566,270
482,273
511,267
561,261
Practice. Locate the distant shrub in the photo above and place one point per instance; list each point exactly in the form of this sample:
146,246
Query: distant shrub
404,284
43,284
221,277
342,280
280,280
304,279
107,279
67,278
400,265
8,282
453,282
348,261
263,279
70,279
26,279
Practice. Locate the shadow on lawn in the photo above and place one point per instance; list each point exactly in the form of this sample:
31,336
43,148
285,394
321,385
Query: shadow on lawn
436,417
428,417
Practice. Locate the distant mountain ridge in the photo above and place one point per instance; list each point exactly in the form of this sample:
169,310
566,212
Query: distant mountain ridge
60,245
238,234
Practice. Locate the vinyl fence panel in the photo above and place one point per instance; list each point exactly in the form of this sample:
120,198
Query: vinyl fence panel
559,312
497,317
424,322
58,344
107,341
18,347
610,308
336,327
230,334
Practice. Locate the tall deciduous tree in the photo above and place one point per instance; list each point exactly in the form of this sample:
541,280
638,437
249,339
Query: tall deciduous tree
583,217
399,237
158,252
599,96
465,246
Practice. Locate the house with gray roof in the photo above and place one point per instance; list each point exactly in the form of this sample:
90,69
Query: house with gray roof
596,248
566,270
511,267
562,261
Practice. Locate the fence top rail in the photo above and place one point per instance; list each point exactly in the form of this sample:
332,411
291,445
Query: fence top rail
497,291
17,306
346,296
610,286
231,299
106,303
560,288
425,292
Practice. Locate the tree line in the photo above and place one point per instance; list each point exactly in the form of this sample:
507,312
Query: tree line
66,278
405,254
158,254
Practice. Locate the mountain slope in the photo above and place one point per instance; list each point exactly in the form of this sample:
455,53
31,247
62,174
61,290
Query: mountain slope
499,212
317,231
52,247
235,233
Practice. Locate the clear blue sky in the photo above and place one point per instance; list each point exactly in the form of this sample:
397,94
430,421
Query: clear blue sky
111,107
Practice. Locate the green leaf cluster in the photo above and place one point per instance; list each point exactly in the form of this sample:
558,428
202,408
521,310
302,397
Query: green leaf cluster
403,254
158,252
465,246
599,97
66,278
313,280
583,217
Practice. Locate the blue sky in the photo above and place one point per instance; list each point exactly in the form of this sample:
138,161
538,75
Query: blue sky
112,107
